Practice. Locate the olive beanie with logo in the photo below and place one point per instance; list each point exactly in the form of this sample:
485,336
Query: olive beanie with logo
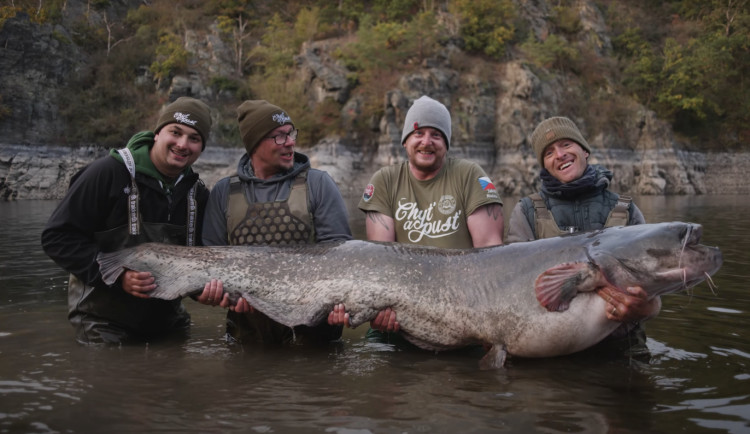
426,112
553,129
187,111
258,118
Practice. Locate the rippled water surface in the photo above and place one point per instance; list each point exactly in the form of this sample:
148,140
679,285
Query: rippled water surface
697,381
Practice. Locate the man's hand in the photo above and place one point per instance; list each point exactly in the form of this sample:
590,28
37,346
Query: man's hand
631,307
213,294
242,306
339,316
385,321
138,283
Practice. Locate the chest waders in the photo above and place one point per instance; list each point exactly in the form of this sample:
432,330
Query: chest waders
281,222
546,227
110,314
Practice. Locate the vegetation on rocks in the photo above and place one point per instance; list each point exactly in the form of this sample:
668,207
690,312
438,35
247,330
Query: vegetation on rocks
688,60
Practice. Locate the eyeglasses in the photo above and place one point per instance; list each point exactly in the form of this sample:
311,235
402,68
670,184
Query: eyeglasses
281,138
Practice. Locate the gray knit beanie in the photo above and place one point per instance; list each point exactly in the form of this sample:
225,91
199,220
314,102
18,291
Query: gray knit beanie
426,112
187,111
258,118
553,129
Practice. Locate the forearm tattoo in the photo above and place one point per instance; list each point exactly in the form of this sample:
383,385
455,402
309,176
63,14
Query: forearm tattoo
495,211
378,218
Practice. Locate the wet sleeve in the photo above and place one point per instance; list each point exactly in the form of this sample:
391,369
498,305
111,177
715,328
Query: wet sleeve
215,217
519,229
330,216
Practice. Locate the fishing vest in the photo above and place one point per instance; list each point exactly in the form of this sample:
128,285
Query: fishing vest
282,222
545,225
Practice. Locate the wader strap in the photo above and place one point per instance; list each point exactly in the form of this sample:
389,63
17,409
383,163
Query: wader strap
192,210
619,215
544,223
540,208
133,220
299,202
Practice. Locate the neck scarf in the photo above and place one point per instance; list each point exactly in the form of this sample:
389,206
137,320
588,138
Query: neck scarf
594,179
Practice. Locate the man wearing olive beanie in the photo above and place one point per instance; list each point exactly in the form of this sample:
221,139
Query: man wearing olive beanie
575,197
187,111
275,198
430,199
143,192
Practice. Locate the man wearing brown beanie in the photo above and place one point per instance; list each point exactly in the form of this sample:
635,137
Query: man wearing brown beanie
146,191
275,198
575,197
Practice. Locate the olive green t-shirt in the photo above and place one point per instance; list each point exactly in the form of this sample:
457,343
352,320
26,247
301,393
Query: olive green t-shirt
431,212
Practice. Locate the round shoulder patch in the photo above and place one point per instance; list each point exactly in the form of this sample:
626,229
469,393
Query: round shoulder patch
369,192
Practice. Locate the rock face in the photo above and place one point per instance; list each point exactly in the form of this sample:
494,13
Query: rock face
35,61
492,118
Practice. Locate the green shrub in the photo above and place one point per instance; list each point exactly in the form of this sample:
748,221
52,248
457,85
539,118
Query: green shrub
555,52
171,57
487,26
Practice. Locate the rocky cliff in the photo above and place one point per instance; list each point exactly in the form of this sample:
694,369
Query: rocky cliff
492,119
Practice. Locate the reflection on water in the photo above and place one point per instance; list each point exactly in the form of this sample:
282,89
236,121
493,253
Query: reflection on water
698,380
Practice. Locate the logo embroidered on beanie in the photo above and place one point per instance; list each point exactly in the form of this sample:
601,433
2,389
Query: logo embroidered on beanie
184,118
281,118
416,125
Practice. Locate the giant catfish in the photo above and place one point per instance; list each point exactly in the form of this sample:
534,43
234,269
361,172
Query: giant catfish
533,299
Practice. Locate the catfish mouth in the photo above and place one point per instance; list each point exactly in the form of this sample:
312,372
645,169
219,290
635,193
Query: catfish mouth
694,263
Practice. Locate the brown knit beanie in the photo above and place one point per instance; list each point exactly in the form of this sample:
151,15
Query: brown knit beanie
187,111
553,129
257,118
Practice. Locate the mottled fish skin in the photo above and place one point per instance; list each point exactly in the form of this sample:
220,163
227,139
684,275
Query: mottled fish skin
444,298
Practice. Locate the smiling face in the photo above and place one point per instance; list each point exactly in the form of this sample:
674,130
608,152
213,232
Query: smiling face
176,147
426,150
268,158
565,159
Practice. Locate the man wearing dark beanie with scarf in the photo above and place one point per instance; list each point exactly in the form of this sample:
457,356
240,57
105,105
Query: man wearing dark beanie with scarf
275,198
146,191
575,197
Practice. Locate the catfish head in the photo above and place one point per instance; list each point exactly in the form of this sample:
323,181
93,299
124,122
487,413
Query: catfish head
661,258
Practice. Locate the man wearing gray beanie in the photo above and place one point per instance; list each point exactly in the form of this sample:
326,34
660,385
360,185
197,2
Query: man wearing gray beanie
145,191
430,199
276,198
575,197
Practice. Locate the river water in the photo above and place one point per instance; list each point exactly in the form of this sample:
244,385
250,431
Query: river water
697,381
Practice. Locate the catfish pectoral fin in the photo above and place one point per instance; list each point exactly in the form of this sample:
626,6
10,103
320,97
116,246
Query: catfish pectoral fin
557,285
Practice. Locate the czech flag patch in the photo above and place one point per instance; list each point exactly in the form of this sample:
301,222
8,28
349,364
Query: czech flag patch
486,183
